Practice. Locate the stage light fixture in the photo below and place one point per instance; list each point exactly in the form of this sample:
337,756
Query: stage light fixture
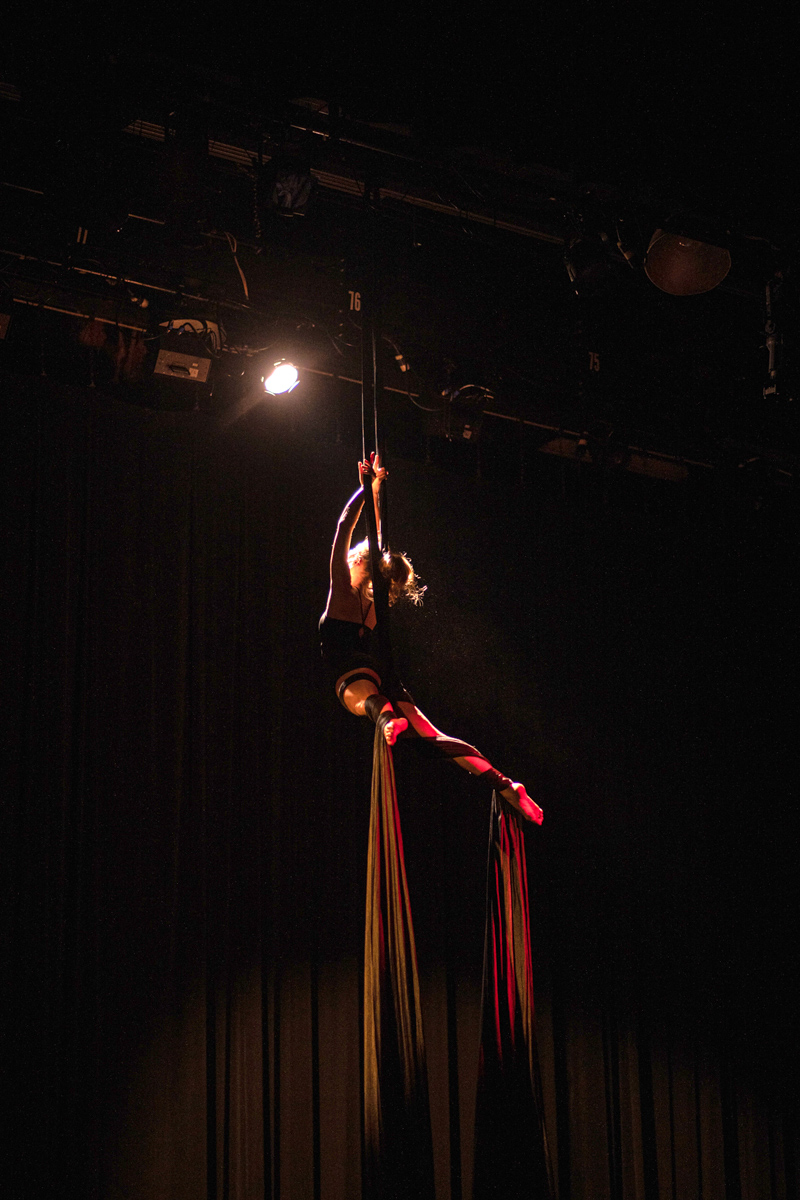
463,412
283,377
291,191
187,346
285,183
682,265
591,263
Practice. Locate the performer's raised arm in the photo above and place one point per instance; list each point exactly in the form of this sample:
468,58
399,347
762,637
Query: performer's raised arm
342,557
372,469
366,684
340,571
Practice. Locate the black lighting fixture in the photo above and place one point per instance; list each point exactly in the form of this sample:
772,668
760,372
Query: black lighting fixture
187,348
463,412
592,263
600,445
687,256
595,261
291,190
285,182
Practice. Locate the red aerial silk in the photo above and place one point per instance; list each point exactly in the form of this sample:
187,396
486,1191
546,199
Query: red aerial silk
511,1153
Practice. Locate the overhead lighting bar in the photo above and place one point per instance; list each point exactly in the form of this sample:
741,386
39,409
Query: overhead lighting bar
351,186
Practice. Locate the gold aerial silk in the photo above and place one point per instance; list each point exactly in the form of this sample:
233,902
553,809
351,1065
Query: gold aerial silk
397,1131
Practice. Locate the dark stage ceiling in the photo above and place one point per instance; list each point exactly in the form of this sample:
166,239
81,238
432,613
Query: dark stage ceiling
138,184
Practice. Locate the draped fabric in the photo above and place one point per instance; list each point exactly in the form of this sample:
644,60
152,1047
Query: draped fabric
512,1158
397,1128
398,1150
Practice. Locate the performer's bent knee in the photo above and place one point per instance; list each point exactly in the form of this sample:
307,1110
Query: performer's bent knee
350,677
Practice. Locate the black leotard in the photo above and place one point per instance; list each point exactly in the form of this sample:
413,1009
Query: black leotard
348,646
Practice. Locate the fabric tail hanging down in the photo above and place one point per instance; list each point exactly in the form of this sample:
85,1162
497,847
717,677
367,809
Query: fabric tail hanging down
397,1129
511,1153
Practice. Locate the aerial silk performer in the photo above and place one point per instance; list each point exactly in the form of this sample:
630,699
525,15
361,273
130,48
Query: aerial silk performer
359,659
398,1159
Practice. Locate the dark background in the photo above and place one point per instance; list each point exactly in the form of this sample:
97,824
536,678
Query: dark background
187,805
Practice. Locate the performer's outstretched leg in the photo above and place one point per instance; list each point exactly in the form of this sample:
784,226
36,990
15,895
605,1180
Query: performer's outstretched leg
359,692
470,760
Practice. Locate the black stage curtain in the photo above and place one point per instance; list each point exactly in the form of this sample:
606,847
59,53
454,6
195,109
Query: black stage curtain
185,814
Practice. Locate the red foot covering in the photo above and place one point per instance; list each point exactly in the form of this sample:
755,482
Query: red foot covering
397,1130
511,1154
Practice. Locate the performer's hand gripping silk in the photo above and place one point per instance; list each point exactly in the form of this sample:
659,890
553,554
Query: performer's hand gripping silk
364,683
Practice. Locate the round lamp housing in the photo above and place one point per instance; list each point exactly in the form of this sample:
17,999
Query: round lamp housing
684,266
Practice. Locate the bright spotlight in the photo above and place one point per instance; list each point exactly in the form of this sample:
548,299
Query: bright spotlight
283,378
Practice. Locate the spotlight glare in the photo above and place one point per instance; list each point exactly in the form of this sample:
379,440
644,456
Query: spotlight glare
283,378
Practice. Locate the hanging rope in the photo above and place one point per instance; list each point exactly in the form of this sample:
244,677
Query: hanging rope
398,1147
380,585
511,1152
370,387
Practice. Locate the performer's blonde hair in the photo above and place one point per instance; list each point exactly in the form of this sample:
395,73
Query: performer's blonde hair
396,568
